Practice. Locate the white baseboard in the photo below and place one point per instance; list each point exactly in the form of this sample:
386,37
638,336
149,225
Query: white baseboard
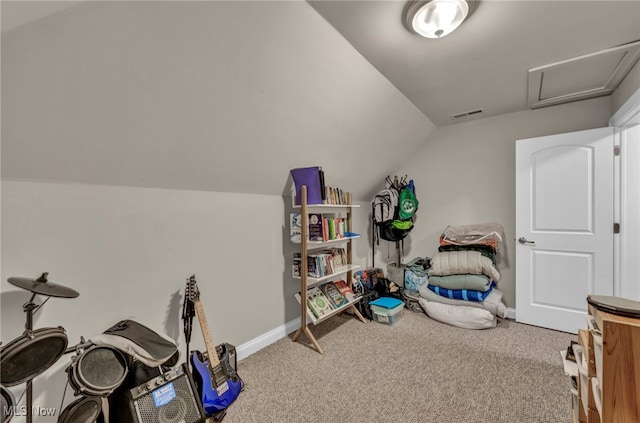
511,313
268,338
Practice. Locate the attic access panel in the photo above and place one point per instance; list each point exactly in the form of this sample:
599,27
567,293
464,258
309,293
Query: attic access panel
583,77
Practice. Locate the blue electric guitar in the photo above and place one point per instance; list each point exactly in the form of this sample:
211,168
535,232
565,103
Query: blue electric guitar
218,383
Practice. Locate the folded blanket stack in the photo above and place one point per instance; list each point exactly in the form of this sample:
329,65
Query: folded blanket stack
463,274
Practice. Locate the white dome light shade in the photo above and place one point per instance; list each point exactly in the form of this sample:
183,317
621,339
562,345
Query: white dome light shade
437,18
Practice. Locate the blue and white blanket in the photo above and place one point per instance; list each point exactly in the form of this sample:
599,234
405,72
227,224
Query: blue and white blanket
462,294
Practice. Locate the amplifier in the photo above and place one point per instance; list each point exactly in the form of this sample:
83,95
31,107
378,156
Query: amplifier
167,398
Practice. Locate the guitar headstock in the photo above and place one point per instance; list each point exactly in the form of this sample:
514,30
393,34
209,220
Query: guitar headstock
191,291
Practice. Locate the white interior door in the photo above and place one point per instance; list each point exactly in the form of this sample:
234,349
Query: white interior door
630,213
564,226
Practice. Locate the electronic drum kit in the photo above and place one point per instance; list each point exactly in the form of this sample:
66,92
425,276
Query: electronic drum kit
94,373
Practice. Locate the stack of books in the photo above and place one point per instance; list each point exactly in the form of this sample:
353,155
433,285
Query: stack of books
317,192
327,297
322,263
321,227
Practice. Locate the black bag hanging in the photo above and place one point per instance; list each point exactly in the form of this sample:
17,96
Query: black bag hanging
393,210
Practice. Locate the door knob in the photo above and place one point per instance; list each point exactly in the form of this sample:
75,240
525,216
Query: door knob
523,240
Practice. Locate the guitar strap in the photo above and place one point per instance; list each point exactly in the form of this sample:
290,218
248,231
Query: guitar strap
188,313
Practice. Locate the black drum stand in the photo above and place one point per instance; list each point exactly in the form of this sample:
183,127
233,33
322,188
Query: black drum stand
29,309
42,347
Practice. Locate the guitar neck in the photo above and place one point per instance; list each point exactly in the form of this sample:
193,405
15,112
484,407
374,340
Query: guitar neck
206,334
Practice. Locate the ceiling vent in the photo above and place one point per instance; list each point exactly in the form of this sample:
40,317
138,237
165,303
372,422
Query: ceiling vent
470,113
583,77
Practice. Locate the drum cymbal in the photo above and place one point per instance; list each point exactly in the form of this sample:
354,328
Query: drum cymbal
43,286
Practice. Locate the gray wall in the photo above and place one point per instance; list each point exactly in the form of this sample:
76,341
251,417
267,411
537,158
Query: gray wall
146,141
128,252
93,101
465,174
220,96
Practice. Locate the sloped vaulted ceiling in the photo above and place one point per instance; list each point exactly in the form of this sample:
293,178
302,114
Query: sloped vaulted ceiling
219,96
484,63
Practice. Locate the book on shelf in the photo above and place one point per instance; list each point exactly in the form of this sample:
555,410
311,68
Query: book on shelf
340,231
338,256
310,177
325,262
315,227
297,265
318,303
320,227
336,196
295,225
314,267
330,256
334,295
332,229
335,228
328,264
339,228
323,192
345,289
325,229
324,265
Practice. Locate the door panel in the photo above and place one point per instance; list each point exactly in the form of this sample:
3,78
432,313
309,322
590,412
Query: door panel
565,206
564,216
562,278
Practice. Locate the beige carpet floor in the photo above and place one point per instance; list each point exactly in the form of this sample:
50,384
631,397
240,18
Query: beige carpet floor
418,370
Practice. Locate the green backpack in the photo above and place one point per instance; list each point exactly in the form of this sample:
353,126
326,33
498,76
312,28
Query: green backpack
407,202
393,215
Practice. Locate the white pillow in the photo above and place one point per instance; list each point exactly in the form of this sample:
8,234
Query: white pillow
461,316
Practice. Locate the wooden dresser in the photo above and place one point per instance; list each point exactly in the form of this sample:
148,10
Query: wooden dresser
620,380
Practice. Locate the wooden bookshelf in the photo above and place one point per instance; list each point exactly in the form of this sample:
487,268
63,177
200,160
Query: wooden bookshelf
306,316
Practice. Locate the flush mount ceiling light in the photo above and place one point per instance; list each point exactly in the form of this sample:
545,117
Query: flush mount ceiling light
437,18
